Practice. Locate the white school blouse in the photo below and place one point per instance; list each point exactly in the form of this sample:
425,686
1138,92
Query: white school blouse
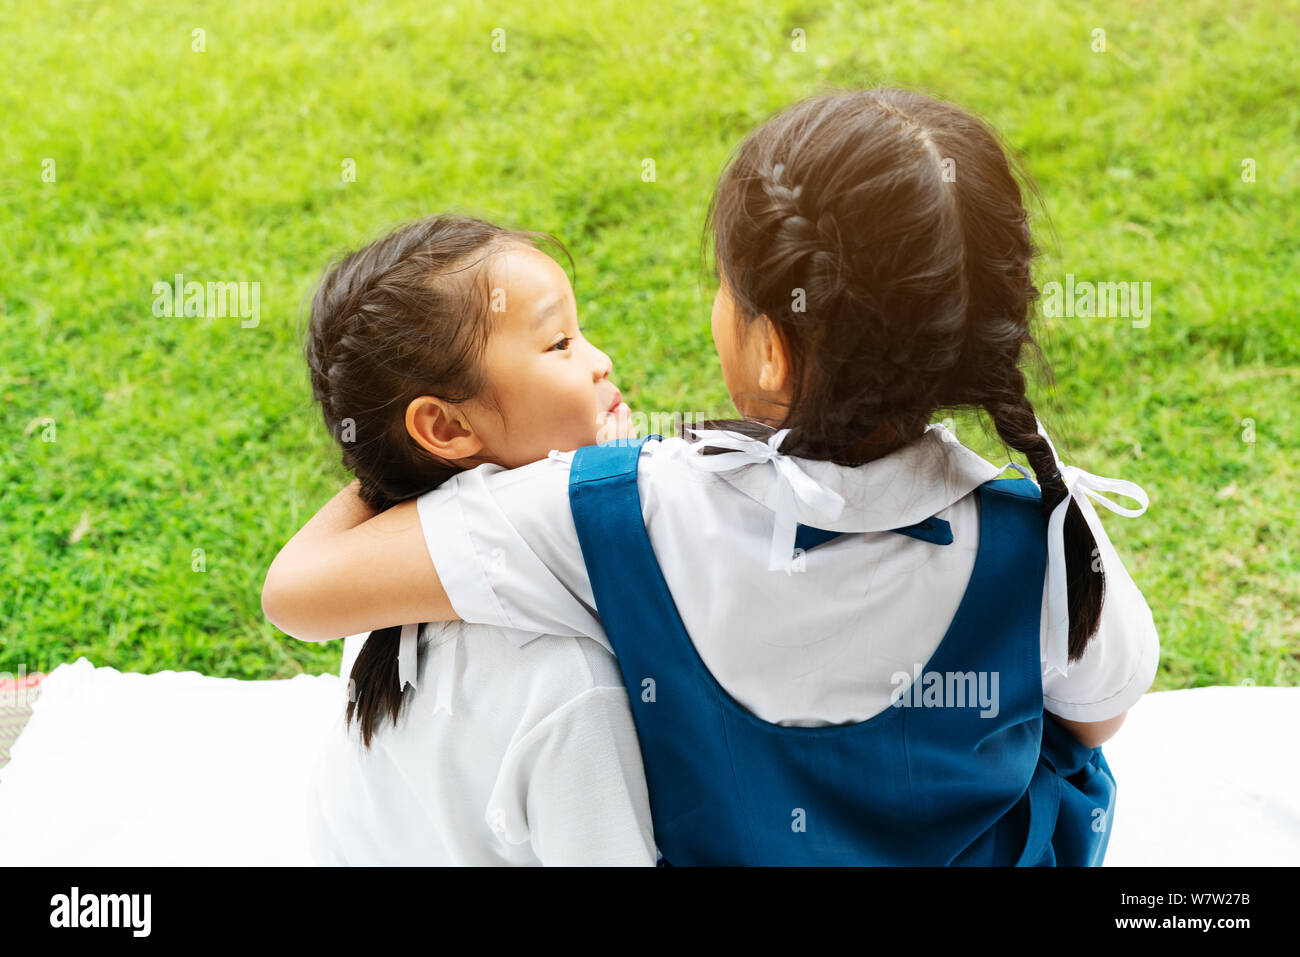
820,646
508,752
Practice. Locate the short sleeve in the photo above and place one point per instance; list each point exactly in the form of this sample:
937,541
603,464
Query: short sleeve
1119,664
506,549
574,787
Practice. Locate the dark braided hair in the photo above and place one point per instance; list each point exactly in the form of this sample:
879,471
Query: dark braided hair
403,317
899,219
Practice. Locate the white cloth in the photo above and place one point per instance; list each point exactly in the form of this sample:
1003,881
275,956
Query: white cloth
182,769
508,752
1207,777
172,769
813,646
539,765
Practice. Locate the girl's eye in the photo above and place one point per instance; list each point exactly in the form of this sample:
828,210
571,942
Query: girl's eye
562,345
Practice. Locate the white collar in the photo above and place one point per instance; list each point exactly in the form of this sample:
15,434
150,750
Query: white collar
905,487
902,488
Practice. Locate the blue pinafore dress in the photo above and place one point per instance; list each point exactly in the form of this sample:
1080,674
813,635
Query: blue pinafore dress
917,784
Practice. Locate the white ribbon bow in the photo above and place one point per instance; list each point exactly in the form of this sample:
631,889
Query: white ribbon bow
1079,485
792,483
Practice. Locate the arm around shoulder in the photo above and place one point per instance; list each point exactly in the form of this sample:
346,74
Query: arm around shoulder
349,570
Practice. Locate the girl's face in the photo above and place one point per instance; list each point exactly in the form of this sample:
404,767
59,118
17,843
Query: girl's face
549,387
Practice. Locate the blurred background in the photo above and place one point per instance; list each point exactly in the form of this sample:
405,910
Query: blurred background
152,465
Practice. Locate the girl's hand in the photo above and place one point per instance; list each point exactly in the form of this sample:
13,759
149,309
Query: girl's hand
616,425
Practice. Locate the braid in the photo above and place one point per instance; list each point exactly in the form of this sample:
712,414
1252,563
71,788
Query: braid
804,233
859,373
1013,417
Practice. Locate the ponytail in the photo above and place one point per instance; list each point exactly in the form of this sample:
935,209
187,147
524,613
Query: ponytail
405,316
373,690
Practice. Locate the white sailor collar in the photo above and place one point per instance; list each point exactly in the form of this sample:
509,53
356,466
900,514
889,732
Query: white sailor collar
903,488
907,486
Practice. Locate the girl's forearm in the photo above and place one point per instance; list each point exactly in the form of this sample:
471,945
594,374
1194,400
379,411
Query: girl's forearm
350,570
345,510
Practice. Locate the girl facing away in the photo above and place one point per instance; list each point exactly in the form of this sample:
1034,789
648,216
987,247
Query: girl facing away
448,343
845,638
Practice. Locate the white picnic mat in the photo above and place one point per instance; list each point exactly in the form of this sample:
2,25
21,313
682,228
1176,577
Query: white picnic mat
173,768
1207,777
178,768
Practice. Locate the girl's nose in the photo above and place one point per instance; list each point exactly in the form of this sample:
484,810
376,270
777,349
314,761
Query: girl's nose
604,365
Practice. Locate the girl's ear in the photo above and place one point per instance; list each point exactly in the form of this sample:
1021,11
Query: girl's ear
774,374
440,427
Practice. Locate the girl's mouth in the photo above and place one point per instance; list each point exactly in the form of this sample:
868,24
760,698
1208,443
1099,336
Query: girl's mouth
618,403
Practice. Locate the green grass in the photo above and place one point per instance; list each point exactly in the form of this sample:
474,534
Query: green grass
179,434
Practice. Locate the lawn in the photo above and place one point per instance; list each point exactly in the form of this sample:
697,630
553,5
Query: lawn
151,466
